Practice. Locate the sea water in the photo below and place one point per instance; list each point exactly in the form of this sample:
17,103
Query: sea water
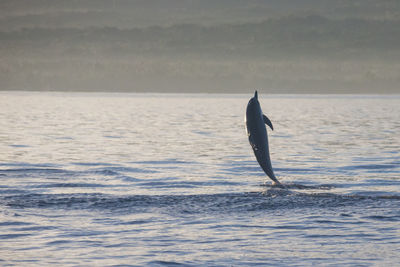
168,179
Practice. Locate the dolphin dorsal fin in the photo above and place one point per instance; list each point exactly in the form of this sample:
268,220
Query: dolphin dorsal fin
268,122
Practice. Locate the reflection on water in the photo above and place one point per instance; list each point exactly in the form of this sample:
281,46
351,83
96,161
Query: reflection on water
109,179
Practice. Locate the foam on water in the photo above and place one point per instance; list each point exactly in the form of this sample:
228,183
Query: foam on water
127,179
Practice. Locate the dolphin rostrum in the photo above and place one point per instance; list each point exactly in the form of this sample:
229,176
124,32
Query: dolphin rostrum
258,137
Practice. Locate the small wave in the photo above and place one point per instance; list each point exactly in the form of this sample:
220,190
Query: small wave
130,179
182,184
135,222
92,164
58,242
34,228
12,191
269,200
296,170
30,170
105,172
58,185
202,133
29,165
113,136
164,162
394,218
167,263
370,167
394,197
19,146
14,223
303,187
12,236
159,184
118,170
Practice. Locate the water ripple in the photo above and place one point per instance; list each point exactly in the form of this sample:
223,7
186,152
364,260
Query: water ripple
269,200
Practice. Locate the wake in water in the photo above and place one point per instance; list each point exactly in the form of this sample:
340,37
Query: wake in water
269,200
98,187
300,186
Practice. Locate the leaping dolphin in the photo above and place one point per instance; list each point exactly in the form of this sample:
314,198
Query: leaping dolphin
258,137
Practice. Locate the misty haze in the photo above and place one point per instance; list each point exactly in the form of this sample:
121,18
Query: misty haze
201,46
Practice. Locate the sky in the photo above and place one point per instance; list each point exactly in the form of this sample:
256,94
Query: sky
208,46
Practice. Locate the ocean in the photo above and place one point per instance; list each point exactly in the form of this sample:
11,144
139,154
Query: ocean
125,179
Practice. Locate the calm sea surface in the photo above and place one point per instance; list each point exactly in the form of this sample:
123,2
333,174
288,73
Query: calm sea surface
169,180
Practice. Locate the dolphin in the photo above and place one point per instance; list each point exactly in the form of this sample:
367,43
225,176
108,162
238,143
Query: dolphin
256,131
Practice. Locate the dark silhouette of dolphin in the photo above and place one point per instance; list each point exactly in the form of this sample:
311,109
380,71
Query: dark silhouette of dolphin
258,138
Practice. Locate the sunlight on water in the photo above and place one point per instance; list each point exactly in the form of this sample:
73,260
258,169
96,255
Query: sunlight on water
152,179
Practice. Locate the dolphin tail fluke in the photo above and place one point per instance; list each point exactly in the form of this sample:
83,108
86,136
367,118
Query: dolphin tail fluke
270,173
275,181
277,184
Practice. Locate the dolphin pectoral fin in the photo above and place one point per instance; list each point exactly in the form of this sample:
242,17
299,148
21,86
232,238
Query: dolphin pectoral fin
268,122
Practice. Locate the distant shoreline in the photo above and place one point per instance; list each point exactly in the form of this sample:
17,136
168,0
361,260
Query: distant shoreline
200,94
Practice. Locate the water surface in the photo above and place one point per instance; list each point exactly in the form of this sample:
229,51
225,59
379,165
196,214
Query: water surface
143,179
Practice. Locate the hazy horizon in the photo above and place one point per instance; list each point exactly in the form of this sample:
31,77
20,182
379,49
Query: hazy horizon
235,46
